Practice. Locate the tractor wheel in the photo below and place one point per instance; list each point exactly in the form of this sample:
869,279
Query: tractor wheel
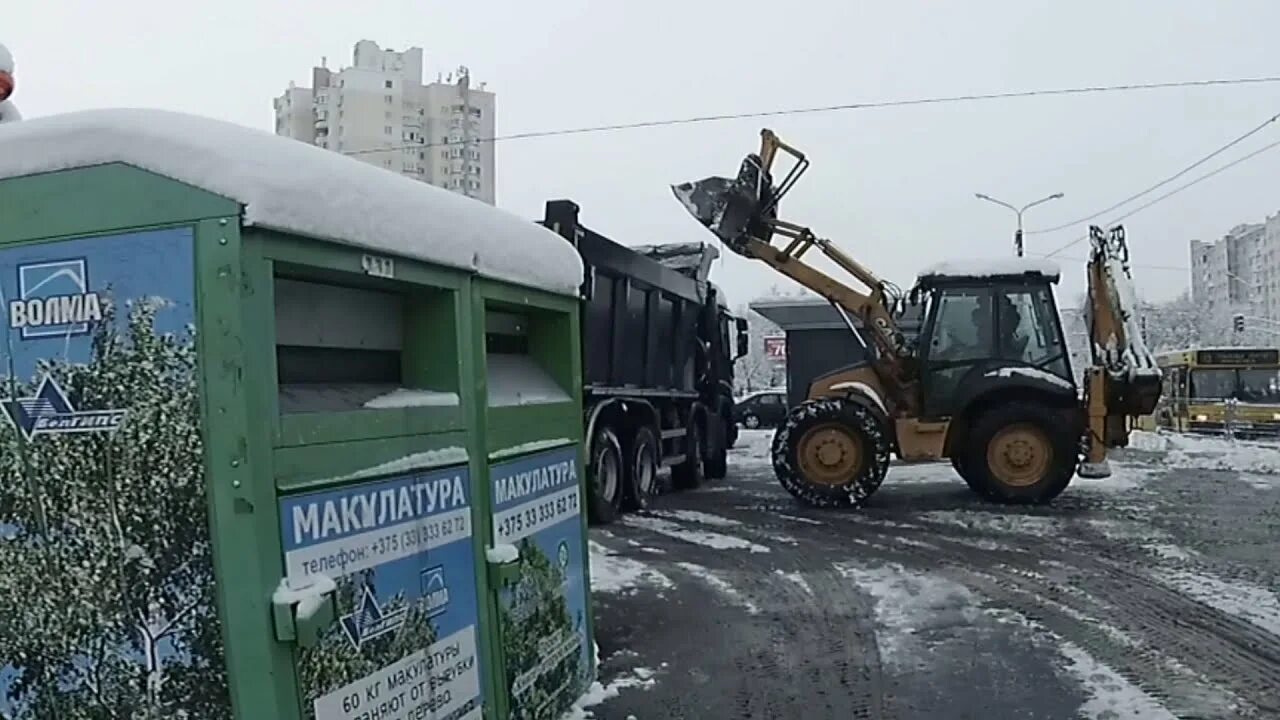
606,477
957,462
1020,453
831,453
641,469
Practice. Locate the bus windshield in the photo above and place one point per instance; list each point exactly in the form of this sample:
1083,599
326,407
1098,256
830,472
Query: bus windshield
1212,384
1258,385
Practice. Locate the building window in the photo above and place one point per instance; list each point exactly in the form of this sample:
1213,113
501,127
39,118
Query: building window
389,99
475,112
386,129
444,154
389,85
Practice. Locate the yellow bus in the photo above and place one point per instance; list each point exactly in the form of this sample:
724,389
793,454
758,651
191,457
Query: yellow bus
1228,391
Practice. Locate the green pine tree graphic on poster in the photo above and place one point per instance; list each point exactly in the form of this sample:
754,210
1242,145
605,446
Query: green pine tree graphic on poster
335,661
106,580
535,626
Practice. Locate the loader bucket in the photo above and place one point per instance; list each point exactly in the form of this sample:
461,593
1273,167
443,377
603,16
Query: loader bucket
734,208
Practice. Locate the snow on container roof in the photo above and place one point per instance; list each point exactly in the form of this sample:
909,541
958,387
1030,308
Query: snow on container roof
295,187
993,267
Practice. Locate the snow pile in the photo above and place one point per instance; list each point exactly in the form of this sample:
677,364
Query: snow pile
519,380
408,463
502,554
1032,372
308,594
721,586
404,398
640,677
1256,605
614,573
993,267
529,447
865,389
696,537
910,607
1127,358
698,517
1208,453
295,187
1110,695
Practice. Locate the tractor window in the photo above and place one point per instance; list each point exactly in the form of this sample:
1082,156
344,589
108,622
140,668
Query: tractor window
962,327
1027,331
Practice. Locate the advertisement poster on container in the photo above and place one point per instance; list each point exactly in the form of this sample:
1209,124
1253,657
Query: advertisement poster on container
544,614
405,643
102,489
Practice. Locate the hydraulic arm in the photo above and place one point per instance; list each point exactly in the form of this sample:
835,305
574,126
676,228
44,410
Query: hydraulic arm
742,212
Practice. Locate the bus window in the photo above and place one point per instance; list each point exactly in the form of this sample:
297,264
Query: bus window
1216,384
1261,385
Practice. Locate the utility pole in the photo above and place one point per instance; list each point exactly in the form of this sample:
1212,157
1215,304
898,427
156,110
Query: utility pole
1017,235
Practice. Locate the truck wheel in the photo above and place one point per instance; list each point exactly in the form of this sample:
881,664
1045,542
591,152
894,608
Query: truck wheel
718,464
642,469
606,477
1020,453
690,474
831,453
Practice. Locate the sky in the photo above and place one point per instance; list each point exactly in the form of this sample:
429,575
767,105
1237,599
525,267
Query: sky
893,187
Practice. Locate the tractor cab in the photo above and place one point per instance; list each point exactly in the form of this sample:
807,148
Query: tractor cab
989,327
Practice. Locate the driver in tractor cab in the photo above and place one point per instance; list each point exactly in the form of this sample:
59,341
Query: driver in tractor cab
1011,343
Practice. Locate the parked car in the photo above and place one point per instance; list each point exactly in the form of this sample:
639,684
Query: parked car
761,409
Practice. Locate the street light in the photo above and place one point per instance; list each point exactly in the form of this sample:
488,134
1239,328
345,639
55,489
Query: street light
1017,236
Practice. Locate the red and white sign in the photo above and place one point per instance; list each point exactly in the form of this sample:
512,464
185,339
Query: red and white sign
775,347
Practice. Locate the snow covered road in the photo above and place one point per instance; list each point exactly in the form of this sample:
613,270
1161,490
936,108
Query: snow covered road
1152,594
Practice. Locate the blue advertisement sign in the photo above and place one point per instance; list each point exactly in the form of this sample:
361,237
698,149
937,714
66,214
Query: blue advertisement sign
106,511
536,507
405,644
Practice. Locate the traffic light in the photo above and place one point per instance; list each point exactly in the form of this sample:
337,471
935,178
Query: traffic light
1237,322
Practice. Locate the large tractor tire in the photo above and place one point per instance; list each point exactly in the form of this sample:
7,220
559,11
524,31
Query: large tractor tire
606,477
1020,453
957,462
641,476
831,453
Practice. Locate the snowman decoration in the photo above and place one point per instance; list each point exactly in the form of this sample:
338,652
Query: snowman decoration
8,111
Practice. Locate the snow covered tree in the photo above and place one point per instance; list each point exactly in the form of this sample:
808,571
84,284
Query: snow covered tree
107,605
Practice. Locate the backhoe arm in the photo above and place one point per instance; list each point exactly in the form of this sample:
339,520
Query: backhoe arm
742,212
1123,380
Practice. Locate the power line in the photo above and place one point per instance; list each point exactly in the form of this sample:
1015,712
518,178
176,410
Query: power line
1262,126
1174,191
875,104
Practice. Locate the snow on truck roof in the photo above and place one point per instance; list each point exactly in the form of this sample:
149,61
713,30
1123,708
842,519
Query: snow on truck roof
288,185
993,267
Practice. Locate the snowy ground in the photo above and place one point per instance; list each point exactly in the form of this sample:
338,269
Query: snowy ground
1152,594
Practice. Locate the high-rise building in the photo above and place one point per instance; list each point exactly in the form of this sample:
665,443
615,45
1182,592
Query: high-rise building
379,111
1238,275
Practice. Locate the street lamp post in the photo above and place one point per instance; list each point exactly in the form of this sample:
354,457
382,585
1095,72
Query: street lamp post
1017,236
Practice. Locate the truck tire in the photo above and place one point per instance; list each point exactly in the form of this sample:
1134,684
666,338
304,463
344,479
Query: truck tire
605,496
1020,453
831,453
690,474
641,475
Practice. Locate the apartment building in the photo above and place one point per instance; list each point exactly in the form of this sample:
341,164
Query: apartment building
1238,275
379,111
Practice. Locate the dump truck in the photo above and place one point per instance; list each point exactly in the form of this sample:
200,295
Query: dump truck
986,383
658,350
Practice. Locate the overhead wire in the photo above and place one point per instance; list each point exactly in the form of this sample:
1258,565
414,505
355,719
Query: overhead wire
868,105
1171,193
1259,128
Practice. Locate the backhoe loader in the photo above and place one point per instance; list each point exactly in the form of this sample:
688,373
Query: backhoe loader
986,384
